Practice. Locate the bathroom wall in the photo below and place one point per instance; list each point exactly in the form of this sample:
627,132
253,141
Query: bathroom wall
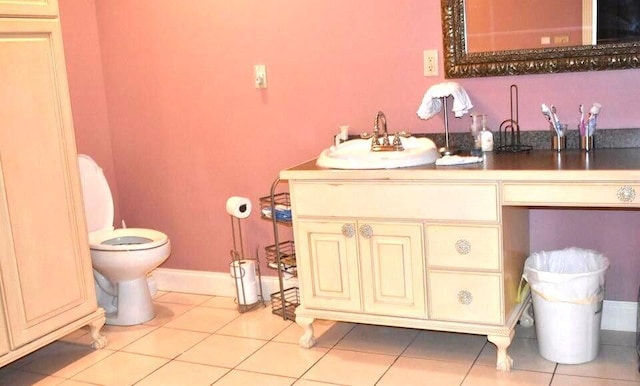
86,86
188,129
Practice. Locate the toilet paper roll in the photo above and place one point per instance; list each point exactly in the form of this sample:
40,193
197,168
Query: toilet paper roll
239,207
248,294
243,270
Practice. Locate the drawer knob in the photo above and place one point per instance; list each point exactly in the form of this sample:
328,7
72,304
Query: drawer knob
465,297
348,230
463,247
366,231
626,194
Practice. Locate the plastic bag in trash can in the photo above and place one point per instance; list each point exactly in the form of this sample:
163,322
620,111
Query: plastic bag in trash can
571,275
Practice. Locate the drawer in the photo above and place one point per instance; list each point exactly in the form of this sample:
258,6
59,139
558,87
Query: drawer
465,297
387,199
572,194
463,247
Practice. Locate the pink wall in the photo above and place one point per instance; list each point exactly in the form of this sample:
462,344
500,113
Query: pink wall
86,86
188,129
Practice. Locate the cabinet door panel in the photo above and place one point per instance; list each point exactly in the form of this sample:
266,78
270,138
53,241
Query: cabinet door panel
44,259
45,8
393,269
328,266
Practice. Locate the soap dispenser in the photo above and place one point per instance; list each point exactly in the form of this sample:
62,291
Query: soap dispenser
486,136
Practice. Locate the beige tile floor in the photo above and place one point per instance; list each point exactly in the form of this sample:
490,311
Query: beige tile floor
203,340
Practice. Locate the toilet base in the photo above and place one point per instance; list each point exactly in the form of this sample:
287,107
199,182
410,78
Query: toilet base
134,304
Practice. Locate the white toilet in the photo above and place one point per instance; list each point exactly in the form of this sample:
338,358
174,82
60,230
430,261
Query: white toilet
121,258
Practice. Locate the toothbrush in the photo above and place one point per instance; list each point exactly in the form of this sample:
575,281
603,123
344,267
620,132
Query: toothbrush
581,125
547,113
593,117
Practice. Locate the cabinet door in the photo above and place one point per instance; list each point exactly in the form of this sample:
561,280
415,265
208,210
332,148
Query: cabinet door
392,260
327,257
44,8
44,256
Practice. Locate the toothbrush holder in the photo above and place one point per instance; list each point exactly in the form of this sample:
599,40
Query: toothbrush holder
587,143
559,143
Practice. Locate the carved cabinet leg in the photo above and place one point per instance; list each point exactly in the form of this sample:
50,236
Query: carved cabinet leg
307,340
504,361
99,341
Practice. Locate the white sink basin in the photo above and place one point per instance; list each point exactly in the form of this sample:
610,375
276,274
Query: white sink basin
357,154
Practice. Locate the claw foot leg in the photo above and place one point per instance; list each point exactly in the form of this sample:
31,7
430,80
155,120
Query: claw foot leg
504,361
307,340
99,340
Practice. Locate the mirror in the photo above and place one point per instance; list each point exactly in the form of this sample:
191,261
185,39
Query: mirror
475,47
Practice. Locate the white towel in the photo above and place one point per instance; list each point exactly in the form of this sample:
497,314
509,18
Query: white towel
432,102
449,160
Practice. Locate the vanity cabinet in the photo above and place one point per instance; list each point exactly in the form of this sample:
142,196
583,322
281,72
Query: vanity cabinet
29,8
370,266
407,252
46,278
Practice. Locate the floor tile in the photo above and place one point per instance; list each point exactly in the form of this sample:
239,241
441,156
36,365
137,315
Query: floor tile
64,359
378,339
221,302
446,346
221,350
306,382
295,359
203,319
183,373
525,332
182,298
238,377
326,332
119,336
345,367
71,382
120,369
488,376
23,378
524,353
408,371
166,342
166,312
613,362
618,338
570,380
258,324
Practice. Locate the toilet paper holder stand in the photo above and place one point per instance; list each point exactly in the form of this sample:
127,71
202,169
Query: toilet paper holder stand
246,298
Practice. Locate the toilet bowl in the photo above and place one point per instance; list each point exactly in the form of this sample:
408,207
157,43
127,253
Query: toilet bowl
121,258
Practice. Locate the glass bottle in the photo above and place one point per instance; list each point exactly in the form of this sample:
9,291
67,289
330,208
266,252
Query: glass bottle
476,134
486,136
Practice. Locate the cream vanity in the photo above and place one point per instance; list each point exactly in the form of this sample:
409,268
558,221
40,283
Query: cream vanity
438,248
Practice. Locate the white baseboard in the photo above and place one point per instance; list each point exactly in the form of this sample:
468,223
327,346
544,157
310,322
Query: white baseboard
210,283
619,316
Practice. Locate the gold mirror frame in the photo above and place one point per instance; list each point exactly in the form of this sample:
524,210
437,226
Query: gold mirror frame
460,64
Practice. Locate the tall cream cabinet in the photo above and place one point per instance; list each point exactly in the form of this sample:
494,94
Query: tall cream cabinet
46,281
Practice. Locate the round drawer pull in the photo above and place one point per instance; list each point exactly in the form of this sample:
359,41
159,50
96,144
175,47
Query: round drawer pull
366,231
348,230
626,194
465,297
463,247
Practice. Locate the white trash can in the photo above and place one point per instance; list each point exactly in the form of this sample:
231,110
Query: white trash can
567,287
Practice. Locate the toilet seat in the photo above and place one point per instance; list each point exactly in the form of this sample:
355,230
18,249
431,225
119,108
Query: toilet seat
126,239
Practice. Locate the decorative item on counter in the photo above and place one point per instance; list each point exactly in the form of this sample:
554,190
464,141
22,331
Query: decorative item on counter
511,125
436,98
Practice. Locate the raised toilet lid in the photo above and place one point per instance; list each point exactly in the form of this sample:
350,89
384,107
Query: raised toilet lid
98,201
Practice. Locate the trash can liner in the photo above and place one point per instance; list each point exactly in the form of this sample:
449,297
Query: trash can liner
571,275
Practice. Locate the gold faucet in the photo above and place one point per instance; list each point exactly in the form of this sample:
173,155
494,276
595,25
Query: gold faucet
380,130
